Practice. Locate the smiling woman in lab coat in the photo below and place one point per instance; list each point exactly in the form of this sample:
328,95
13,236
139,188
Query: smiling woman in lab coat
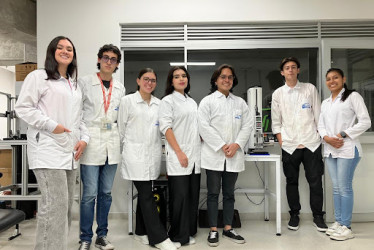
178,121
225,124
50,103
344,117
141,156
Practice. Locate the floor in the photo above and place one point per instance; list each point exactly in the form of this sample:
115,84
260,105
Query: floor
258,234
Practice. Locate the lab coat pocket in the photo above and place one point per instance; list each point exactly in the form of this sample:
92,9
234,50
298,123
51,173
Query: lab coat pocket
63,140
305,105
237,123
94,144
133,153
172,157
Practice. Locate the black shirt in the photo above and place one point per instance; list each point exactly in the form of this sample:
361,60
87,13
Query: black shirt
106,84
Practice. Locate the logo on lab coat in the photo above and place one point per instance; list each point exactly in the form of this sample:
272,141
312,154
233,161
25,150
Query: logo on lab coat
306,106
238,116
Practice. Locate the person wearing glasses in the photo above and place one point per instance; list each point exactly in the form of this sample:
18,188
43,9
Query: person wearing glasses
101,98
344,117
50,103
178,122
295,112
141,156
225,123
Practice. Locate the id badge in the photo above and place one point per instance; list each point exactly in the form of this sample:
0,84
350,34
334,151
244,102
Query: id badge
106,124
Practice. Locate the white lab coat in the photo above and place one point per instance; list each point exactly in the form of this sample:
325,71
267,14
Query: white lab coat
103,143
337,116
179,113
223,121
43,104
295,113
140,138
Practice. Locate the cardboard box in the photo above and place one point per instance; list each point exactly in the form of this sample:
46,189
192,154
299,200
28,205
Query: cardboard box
6,180
6,158
23,69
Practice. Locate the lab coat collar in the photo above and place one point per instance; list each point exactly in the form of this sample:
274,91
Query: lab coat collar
219,94
139,99
180,96
288,88
338,97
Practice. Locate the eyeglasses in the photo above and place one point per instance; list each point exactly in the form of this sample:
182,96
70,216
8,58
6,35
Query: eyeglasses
112,60
147,79
230,78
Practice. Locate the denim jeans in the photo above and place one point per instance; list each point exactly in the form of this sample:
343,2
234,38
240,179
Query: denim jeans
97,185
213,179
54,215
341,172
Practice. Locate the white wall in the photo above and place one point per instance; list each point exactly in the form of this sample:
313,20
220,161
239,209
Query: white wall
90,24
7,81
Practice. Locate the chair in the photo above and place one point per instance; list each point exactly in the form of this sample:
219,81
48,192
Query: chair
9,218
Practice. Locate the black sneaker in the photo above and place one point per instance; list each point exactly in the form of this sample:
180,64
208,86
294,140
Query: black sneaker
234,236
85,245
319,223
103,243
213,239
293,224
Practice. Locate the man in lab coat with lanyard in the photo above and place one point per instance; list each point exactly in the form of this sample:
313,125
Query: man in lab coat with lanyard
295,112
101,98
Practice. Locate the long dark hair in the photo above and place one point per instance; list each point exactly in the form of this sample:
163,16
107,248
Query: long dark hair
347,91
146,70
217,73
169,82
51,65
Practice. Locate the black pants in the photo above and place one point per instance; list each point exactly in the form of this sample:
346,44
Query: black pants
184,191
314,169
213,179
147,218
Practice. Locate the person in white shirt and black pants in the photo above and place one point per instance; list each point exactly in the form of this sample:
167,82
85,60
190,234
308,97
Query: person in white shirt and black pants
295,112
141,156
344,117
225,124
179,124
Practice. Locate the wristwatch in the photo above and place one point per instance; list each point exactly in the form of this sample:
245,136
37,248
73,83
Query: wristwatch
343,134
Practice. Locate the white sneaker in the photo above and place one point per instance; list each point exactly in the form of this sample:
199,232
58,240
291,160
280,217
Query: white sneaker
332,228
192,241
342,233
142,238
177,244
166,245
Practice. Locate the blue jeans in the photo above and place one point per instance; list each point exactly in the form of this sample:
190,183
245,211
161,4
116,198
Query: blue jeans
341,172
97,185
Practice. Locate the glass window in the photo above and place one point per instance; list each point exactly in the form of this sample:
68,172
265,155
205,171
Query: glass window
253,67
358,67
158,60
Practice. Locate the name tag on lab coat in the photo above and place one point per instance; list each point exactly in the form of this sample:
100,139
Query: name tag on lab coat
106,124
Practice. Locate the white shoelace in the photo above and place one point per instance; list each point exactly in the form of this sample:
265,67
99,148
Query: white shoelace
233,232
85,245
213,234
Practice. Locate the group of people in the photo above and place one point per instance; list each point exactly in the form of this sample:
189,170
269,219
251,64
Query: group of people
301,125
90,121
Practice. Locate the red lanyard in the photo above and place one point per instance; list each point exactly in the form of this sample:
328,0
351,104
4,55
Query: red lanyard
106,103
70,84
